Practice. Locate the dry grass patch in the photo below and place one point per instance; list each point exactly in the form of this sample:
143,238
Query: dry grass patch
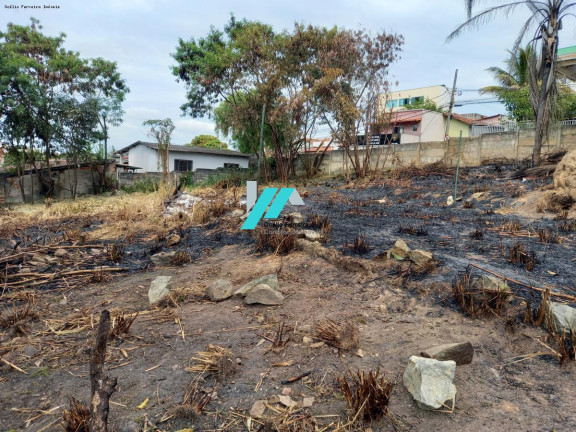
274,240
195,400
476,300
344,336
217,361
76,418
367,394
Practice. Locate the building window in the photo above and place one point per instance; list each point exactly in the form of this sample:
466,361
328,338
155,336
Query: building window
182,165
392,103
231,165
399,129
417,99
415,128
402,102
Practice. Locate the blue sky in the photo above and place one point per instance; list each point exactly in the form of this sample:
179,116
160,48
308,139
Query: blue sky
140,35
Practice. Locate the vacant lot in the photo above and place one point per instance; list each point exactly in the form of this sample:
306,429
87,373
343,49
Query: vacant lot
62,265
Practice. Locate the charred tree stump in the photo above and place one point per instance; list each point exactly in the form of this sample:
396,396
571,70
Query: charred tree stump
102,386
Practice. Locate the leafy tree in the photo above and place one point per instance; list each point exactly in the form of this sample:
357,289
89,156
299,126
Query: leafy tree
303,77
161,131
208,141
427,104
39,82
513,89
546,16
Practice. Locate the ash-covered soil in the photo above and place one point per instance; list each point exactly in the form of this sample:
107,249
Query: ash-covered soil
399,314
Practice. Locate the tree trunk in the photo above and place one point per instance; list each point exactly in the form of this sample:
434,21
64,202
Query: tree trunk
102,386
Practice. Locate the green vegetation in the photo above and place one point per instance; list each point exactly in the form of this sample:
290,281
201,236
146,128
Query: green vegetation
304,77
145,185
546,18
427,104
53,101
208,141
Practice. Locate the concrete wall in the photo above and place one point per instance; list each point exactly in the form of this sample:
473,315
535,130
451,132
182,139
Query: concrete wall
146,158
475,150
88,183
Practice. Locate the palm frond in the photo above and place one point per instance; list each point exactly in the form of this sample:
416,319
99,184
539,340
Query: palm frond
484,16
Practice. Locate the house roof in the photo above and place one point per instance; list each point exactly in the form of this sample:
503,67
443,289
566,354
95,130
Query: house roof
186,149
407,116
462,119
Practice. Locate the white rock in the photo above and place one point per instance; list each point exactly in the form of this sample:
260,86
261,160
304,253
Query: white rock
429,382
271,280
563,317
450,201
159,289
263,294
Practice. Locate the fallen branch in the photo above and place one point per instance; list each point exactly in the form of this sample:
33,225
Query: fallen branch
102,386
553,294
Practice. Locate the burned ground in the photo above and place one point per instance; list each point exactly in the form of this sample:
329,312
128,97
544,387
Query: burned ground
399,310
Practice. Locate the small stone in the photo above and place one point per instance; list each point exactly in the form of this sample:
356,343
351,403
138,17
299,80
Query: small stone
450,200
257,410
382,200
430,382
61,253
236,213
274,400
307,402
295,217
462,353
399,251
219,290
163,258
271,280
305,328
307,340
311,235
172,239
421,258
286,391
263,294
489,283
475,196
287,401
383,308
317,345
563,317
360,353
159,289
30,351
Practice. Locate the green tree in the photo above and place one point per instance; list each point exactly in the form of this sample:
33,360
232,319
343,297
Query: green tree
513,89
208,141
303,77
427,104
546,16
39,82
161,131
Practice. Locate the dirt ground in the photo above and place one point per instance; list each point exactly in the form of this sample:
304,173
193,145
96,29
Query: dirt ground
400,312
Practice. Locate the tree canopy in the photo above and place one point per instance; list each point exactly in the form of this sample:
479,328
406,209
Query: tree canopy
542,29
208,141
52,99
304,77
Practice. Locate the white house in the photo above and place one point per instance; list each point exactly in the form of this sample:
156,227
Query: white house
182,158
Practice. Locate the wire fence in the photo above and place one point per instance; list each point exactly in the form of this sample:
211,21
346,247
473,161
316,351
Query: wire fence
477,130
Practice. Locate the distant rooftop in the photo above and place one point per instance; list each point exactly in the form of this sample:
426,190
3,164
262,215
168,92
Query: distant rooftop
566,51
186,149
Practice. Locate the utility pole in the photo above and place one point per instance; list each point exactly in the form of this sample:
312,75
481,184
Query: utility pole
447,132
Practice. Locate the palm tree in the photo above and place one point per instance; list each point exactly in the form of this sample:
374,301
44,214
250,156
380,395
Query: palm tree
546,17
517,74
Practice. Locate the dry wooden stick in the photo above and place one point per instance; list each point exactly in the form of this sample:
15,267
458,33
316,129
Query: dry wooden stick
102,386
554,294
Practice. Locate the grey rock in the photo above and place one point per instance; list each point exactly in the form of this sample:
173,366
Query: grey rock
159,289
421,258
30,351
489,283
429,382
310,235
258,409
462,353
400,250
263,294
219,290
61,253
563,317
295,217
271,280
163,258
475,196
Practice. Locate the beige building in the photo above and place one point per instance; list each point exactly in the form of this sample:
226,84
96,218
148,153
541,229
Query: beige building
398,99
